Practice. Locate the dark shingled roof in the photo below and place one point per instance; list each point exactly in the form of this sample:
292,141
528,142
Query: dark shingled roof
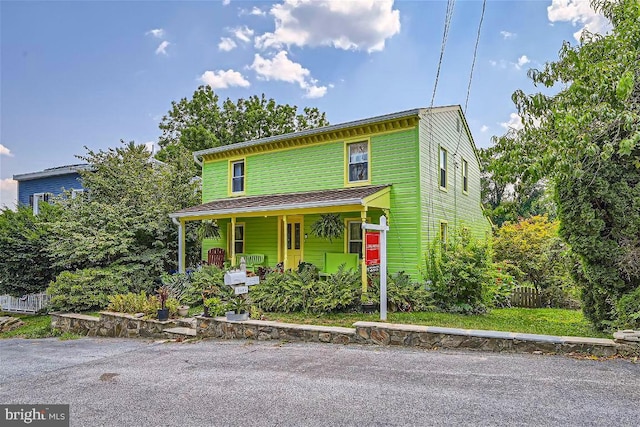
271,202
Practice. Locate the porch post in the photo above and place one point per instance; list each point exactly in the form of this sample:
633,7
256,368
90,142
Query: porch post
181,245
363,266
232,243
284,244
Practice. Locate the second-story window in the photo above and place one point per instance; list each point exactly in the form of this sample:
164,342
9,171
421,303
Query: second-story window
237,176
443,168
465,176
358,161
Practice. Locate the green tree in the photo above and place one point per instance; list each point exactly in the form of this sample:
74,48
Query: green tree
123,219
24,250
203,122
586,139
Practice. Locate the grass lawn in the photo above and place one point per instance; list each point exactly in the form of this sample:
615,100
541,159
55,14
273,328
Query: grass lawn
35,327
547,321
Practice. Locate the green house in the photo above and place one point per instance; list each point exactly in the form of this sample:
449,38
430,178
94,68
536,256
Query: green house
419,168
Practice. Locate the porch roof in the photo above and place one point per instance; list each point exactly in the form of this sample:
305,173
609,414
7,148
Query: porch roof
338,200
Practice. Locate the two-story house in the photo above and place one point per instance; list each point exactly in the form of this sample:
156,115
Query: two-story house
418,167
37,187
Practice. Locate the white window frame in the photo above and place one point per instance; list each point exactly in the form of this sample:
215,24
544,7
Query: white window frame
75,192
444,232
465,176
350,240
37,198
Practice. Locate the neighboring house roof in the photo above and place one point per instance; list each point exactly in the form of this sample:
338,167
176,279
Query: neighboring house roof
60,170
325,129
287,201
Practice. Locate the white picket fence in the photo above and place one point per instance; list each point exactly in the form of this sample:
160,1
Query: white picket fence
31,303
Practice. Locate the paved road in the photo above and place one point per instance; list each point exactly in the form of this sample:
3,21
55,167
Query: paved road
111,382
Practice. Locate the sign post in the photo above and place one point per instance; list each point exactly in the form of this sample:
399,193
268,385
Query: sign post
381,249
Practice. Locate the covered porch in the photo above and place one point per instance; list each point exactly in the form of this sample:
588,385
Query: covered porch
278,226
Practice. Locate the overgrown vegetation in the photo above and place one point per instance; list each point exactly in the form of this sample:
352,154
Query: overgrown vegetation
87,289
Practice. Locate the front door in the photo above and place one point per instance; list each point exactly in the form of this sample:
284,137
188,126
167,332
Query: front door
293,242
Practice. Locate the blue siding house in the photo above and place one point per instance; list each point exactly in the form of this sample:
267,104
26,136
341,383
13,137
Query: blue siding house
37,187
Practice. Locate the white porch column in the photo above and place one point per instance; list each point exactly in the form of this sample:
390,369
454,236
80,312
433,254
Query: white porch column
363,264
233,241
284,243
181,245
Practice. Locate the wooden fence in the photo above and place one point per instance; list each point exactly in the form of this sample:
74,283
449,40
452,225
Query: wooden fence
524,296
31,303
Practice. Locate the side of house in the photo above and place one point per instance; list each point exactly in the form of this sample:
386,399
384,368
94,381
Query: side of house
37,187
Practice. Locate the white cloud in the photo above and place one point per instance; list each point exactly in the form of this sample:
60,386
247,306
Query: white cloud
515,122
223,79
8,193
162,48
484,128
348,25
507,35
255,11
4,151
281,68
523,60
157,33
226,44
500,64
243,33
578,12
226,2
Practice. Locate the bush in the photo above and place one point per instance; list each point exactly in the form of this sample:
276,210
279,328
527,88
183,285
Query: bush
84,290
293,291
628,310
459,274
403,294
133,303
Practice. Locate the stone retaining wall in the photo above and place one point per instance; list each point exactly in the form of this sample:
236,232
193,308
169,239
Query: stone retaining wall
262,330
110,324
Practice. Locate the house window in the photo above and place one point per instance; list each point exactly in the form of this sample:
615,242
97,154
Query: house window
354,238
238,243
293,236
443,168
237,176
444,232
358,156
36,199
76,192
465,176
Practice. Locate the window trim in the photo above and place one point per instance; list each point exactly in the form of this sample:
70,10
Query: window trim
441,149
75,192
465,177
347,238
444,241
347,143
36,198
232,162
244,238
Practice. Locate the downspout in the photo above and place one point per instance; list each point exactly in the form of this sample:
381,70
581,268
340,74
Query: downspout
181,253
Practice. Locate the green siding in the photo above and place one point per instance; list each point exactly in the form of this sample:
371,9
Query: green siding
446,129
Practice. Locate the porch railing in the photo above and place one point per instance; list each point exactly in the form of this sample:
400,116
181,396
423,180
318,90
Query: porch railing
31,303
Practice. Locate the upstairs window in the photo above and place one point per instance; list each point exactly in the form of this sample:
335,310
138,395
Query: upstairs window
465,176
358,157
443,168
36,199
237,176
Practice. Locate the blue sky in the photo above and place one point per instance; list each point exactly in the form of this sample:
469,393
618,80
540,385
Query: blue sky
75,74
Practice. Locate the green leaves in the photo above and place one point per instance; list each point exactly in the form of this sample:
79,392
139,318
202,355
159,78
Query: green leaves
625,86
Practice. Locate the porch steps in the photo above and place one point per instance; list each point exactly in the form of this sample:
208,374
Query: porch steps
181,331
187,322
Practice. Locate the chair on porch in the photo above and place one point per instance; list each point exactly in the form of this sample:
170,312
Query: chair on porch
215,256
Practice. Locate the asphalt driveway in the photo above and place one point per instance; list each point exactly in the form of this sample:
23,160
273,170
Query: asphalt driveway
111,382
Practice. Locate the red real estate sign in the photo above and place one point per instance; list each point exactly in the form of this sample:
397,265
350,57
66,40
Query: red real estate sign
372,247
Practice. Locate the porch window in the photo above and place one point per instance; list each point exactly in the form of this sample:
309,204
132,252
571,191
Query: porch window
465,176
237,176
293,236
355,238
238,243
358,154
36,199
443,168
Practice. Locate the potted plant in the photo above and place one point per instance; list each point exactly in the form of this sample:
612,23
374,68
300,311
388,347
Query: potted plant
213,307
183,310
240,309
163,296
328,226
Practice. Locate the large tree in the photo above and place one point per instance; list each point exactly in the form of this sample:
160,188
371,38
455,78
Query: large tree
203,122
586,139
123,219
